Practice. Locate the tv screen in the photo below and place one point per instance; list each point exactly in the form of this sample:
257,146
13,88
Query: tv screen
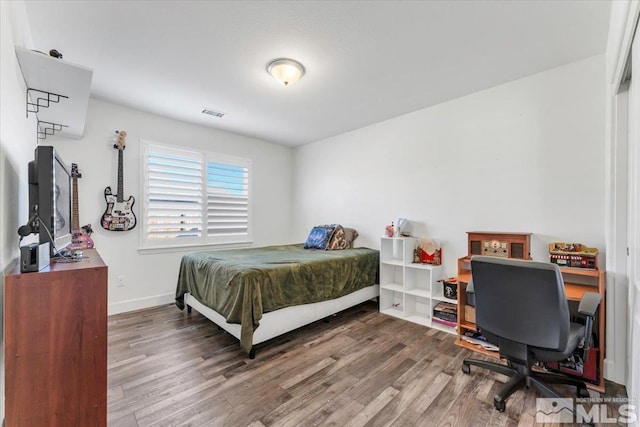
50,198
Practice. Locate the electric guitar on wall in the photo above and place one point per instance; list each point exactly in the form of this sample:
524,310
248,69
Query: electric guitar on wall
119,215
80,237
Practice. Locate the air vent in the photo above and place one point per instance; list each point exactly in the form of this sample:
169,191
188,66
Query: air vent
212,112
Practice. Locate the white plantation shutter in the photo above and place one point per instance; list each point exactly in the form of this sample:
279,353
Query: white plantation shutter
193,197
227,199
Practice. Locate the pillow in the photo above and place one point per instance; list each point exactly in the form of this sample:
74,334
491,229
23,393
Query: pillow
319,236
350,234
337,240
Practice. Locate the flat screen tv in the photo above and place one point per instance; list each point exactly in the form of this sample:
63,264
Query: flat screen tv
50,199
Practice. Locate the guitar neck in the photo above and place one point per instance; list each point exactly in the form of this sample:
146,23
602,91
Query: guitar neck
120,194
75,221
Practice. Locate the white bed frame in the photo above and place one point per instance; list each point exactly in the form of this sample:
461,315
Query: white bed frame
287,319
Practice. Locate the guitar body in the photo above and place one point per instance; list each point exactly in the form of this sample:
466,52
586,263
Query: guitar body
118,216
81,239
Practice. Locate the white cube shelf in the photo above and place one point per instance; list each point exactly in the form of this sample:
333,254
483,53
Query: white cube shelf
409,290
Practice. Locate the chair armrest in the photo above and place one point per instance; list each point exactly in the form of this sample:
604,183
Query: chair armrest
589,303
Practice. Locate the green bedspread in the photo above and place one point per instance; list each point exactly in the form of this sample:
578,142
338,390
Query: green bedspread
242,284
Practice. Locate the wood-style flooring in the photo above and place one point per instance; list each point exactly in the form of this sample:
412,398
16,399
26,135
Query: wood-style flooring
359,368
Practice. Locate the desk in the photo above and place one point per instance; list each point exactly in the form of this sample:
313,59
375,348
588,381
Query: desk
577,281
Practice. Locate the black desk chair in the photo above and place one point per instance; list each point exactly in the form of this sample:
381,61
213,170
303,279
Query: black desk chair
521,307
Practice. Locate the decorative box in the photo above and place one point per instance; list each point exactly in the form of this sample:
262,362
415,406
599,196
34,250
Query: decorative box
450,288
430,252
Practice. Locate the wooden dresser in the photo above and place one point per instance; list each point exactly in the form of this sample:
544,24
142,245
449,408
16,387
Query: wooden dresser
56,345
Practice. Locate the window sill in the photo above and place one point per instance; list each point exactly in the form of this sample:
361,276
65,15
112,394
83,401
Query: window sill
195,247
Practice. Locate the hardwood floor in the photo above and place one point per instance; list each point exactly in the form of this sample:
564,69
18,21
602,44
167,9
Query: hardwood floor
168,368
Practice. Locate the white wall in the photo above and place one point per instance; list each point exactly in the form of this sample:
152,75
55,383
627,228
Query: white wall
524,156
150,279
17,140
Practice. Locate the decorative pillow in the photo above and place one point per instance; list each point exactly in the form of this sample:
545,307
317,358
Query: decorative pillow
337,240
320,236
350,234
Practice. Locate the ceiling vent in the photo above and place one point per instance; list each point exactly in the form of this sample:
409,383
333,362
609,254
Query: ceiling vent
212,112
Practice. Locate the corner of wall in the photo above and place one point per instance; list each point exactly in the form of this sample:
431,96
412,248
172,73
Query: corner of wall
15,130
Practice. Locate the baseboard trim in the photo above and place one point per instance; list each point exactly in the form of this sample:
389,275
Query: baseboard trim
140,303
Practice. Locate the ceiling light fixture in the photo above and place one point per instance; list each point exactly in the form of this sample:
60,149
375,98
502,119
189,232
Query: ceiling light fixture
286,71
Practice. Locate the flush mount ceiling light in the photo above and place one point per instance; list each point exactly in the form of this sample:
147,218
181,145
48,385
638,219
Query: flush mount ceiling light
286,71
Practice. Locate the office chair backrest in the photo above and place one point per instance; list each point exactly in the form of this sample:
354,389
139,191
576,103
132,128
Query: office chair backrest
523,301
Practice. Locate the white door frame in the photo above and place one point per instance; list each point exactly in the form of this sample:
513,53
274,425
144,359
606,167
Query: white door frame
633,336
619,343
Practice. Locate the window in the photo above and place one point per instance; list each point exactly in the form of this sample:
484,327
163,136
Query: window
193,197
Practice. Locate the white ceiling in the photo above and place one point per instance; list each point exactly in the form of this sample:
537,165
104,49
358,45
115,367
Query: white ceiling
366,61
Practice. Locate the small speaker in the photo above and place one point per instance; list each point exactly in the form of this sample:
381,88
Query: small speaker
517,250
475,247
34,257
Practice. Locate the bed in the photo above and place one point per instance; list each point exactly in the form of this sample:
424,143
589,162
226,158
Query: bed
259,293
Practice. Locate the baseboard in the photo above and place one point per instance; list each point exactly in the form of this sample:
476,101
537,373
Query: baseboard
140,303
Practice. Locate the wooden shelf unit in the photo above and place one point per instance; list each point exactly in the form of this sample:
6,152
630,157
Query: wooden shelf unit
56,345
577,281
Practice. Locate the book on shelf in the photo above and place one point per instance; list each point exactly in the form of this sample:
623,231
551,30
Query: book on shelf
478,339
446,311
444,322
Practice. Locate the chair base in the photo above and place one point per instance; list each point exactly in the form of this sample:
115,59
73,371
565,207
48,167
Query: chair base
521,376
